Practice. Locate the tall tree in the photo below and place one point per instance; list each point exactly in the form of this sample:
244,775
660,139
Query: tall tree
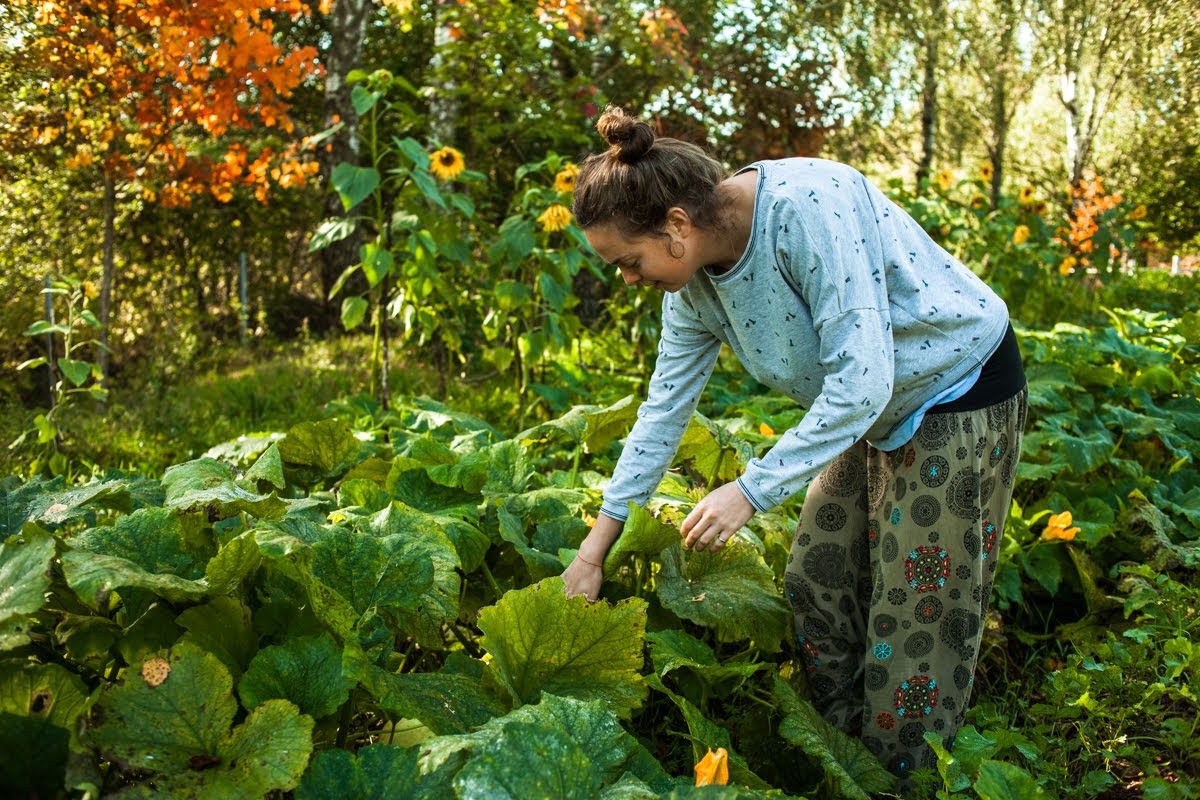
145,94
987,35
1098,46
347,23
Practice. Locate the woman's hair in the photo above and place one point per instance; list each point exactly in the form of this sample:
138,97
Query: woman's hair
633,183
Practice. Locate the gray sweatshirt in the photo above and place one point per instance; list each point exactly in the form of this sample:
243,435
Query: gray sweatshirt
840,301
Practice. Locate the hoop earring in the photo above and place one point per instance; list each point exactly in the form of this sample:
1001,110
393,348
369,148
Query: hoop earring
671,249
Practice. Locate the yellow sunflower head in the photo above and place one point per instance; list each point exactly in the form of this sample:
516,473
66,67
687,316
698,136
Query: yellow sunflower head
446,164
1020,234
944,179
1025,197
555,218
564,181
979,200
985,172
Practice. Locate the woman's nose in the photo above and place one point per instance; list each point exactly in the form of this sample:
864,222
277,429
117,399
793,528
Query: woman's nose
628,275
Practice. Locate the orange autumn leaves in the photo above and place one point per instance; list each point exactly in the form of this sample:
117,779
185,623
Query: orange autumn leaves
131,83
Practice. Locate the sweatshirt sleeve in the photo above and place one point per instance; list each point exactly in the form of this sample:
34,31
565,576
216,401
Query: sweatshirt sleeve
687,352
827,256
856,355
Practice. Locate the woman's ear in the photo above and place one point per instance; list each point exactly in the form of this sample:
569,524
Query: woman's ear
679,223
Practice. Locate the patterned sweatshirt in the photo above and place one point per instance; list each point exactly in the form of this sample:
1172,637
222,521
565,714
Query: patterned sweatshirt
840,301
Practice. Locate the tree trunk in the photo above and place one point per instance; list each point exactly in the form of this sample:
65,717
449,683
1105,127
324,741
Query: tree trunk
347,32
109,210
929,90
443,104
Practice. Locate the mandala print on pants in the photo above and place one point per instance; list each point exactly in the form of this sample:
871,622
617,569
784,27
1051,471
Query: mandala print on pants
897,661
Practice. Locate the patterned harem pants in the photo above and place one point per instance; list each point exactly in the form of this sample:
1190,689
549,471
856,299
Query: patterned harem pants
890,573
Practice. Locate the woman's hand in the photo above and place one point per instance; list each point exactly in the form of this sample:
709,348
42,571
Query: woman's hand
585,574
716,518
583,578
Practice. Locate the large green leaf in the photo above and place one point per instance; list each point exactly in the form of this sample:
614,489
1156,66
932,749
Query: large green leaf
223,628
592,726
715,454
292,559
24,578
353,183
674,649
542,641
643,534
50,504
376,772
1002,781
306,670
529,760
731,591
94,577
846,760
409,578
607,424
208,485
325,447
45,692
156,539
445,703
268,467
179,731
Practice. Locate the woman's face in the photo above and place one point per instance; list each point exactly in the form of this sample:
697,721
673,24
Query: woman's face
645,260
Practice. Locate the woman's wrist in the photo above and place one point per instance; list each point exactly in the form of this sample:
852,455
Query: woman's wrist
589,563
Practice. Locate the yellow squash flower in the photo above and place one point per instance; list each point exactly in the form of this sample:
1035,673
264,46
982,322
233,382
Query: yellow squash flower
564,181
555,218
446,164
1067,266
1020,234
1058,528
713,769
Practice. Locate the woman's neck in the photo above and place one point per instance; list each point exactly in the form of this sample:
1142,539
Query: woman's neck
725,244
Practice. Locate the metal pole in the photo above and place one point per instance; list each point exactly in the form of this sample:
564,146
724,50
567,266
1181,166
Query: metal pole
245,311
49,310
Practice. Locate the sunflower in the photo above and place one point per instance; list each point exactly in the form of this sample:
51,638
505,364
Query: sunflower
1025,197
446,164
944,179
564,181
985,172
1020,234
980,200
555,218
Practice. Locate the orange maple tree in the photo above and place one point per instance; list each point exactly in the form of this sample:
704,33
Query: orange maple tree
142,88
148,94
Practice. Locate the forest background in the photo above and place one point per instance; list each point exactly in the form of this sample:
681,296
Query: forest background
225,219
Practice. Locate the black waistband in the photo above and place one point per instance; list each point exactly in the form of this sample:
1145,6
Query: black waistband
1001,378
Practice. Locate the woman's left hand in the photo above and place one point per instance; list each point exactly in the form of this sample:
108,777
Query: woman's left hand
716,518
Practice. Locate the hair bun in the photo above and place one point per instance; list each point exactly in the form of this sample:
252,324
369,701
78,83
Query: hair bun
629,137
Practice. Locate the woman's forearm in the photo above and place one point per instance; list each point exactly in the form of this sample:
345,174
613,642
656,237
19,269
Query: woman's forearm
600,539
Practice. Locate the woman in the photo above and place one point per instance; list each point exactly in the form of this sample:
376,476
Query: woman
915,395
